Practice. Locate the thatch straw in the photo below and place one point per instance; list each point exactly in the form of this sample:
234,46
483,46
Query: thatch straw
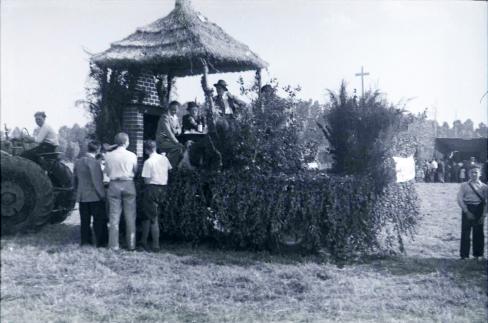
176,44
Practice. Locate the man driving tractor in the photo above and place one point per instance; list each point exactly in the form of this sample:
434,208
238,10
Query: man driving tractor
44,135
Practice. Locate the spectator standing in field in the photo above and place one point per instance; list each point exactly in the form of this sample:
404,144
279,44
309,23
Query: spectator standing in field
462,172
440,171
472,162
121,167
433,170
90,193
484,172
426,167
167,131
448,174
155,174
455,172
44,135
472,198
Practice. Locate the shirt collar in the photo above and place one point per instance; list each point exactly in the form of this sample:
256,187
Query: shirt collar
91,155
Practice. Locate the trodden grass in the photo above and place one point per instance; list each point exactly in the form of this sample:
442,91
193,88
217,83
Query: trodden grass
47,277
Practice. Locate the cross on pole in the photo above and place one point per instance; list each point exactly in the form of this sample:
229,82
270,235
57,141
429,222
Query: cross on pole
362,74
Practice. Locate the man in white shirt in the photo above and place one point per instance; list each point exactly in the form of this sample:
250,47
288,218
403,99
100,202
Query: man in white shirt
155,174
44,135
121,167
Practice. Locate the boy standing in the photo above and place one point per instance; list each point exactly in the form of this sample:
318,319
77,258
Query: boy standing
472,198
155,174
90,193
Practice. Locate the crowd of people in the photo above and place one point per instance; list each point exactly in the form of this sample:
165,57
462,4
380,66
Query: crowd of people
104,183
449,171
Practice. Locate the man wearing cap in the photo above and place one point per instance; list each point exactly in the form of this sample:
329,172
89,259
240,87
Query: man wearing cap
121,167
166,132
472,198
44,135
155,174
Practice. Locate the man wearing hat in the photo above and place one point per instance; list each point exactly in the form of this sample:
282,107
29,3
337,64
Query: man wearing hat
226,103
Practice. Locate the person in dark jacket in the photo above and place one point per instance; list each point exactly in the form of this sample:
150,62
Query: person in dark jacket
90,192
226,104
166,134
192,121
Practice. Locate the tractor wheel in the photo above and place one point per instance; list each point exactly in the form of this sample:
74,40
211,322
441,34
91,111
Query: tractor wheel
27,195
65,198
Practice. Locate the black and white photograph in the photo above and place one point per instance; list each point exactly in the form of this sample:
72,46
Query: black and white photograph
243,161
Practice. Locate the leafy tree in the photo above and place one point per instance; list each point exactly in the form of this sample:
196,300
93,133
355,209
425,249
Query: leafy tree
467,129
457,127
273,134
72,141
109,92
482,130
443,131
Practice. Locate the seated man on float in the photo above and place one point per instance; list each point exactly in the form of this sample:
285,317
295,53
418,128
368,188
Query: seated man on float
167,131
44,135
193,121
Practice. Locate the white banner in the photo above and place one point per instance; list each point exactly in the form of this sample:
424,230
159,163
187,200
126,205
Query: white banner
405,169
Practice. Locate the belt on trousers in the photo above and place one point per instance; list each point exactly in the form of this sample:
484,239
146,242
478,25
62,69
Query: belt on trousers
121,179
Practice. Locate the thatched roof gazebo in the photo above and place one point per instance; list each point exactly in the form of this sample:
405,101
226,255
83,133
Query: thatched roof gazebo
184,43
174,45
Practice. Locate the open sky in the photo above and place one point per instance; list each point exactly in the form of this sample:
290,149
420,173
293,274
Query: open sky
432,52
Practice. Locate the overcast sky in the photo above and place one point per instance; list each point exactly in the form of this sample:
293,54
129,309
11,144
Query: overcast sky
432,52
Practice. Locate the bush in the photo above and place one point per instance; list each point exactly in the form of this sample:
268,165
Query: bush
265,199
361,133
311,211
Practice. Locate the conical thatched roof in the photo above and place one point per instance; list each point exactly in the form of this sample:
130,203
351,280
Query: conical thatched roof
176,43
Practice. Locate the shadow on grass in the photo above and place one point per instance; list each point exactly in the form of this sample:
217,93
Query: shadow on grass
50,236
403,265
207,254
55,238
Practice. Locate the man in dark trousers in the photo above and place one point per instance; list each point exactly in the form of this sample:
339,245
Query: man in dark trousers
472,197
88,179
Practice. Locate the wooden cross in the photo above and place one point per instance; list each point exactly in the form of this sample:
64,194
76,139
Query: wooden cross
362,74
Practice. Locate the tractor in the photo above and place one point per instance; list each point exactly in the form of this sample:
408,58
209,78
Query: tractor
33,194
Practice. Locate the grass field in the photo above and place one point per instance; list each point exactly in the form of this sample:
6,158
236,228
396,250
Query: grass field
47,277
